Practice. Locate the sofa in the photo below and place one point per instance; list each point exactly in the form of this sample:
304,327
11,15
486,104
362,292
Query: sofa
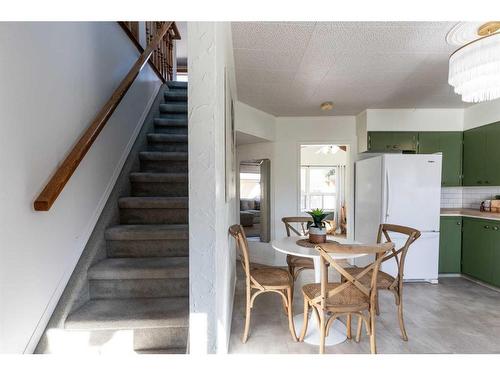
249,212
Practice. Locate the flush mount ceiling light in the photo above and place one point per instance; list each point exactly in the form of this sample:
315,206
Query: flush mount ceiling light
474,69
326,106
328,149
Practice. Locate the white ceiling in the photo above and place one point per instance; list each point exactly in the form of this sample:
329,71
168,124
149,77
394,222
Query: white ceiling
289,68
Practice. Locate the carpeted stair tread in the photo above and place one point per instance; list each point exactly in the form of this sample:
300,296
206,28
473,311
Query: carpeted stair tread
140,268
147,232
130,313
172,121
158,177
167,138
177,85
175,95
153,202
163,155
174,107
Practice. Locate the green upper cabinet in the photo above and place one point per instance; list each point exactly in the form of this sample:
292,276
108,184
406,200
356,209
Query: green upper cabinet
492,162
450,244
474,157
482,156
392,141
450,144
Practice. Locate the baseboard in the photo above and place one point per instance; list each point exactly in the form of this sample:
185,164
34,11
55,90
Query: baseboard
58,292
479,282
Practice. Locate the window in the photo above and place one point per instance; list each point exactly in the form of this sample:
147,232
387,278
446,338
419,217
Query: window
250,185
318,188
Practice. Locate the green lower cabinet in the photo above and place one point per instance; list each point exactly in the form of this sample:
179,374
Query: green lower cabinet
495,250
450,244
479,241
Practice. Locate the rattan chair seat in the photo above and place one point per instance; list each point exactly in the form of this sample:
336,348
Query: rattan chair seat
302,262
349,299
384,280
272,277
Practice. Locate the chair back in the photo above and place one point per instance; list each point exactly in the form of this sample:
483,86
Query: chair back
326,251
237,232
302,224
400,254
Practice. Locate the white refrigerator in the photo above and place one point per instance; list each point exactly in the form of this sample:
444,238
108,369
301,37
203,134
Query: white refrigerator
403,189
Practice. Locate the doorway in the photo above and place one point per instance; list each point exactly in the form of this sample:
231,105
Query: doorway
323,183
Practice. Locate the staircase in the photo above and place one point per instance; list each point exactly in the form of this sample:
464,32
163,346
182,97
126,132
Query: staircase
139,293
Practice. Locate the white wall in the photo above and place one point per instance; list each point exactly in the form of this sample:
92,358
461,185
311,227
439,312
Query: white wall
415,119
212,253
255,122
54,78
362,131
482,114
284,154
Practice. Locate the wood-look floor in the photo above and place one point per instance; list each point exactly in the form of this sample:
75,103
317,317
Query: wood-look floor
455,316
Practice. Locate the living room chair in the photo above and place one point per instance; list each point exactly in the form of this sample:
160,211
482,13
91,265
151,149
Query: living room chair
262,280
384,280
329,301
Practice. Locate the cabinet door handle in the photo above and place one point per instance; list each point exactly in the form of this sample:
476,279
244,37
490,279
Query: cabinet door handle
459,223
480,182
486,227
495,228
486,182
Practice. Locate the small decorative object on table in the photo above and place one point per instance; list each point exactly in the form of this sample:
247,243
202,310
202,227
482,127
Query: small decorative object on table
317,231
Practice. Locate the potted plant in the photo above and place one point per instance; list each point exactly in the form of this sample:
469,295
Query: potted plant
317,231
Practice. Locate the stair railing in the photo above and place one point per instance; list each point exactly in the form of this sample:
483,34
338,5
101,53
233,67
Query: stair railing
158,51
162,60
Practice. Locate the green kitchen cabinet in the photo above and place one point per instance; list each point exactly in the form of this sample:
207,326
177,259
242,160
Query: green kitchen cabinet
481,165
477,244
492,162
450,244
474,157
392,141
495,251
450,145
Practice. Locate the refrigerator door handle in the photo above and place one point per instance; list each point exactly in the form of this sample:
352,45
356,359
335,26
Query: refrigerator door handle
387,194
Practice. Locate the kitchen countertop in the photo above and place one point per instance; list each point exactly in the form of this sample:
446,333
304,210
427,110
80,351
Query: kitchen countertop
469,212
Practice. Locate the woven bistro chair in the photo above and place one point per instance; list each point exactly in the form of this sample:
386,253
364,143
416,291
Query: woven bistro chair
384,280
262,280
329,301
295,263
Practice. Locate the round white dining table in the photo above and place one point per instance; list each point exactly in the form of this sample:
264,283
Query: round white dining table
288,245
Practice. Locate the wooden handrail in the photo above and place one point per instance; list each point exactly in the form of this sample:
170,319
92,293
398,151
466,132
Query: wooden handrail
63,173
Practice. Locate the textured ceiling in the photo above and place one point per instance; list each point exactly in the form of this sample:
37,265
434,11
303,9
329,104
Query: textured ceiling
289,68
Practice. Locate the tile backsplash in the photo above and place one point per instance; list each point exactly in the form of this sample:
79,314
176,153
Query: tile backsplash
467,196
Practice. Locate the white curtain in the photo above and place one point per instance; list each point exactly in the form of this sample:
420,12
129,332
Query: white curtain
340,173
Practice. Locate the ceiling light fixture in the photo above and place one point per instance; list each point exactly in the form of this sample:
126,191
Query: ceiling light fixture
326,106
329,149
474,69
